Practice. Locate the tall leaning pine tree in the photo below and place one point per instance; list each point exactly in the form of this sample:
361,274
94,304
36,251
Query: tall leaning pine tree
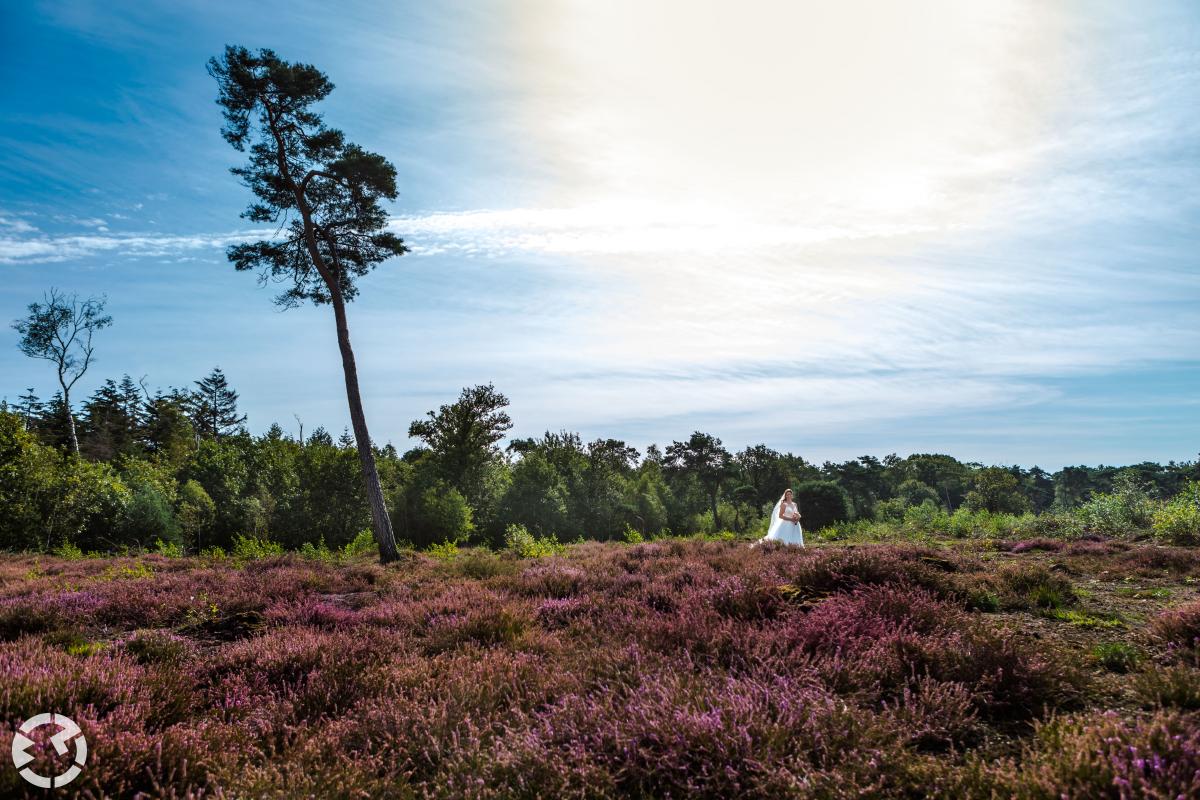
324,194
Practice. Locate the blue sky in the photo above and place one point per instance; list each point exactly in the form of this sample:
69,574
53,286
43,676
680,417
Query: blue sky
861,228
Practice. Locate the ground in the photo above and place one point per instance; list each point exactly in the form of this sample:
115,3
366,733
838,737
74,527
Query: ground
673,668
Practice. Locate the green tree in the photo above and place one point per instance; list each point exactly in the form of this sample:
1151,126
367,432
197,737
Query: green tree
168,433
538,498
702,456
114,420
765,471
913,493
196,513
996,490
822,503
60,331
462,436
1072,486
326,192
213,406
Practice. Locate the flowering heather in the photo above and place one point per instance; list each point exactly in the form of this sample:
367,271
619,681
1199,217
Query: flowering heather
1178,627
670,668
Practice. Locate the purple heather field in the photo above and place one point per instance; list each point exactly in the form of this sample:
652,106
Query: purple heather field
673,668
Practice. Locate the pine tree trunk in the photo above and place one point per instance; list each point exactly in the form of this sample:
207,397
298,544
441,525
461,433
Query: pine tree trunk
358,421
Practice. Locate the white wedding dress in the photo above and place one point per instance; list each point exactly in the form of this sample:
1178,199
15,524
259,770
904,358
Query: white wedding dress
783,530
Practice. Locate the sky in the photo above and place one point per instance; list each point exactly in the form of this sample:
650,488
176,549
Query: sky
833,228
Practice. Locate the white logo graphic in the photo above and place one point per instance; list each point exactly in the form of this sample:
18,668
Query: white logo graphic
22,743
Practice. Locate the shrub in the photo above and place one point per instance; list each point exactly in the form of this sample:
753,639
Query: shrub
317,552
1127,507
252,547
1107,755
446,551
68,551
928,517
361,544
1178,521
632,535
1178,627
1032,585
1172,686
168,549
520,541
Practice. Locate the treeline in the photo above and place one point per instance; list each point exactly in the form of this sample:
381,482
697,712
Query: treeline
179,467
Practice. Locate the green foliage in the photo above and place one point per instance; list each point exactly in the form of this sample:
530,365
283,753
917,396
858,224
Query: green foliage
196,513
68,551
1083,619
252,547
633,536
361,544
822,503
1177,521
998,491
927,518
520,541
914,492
168,549
148,515
1116,656
317,552
462,436
1128,507
537,497
445,551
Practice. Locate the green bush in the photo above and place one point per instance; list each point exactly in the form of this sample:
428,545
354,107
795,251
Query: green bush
822,503
251,547
928,517
633,536
168,549
317,552
69,551
520,541
446,551
361,544
1178,521
1127,507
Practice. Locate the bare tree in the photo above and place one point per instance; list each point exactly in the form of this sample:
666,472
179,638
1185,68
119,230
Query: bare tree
60,331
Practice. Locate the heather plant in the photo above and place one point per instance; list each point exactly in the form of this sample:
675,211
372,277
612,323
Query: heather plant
1178,627
1110,755
679,667
1170,686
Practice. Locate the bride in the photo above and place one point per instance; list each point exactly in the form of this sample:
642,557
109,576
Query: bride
785,523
